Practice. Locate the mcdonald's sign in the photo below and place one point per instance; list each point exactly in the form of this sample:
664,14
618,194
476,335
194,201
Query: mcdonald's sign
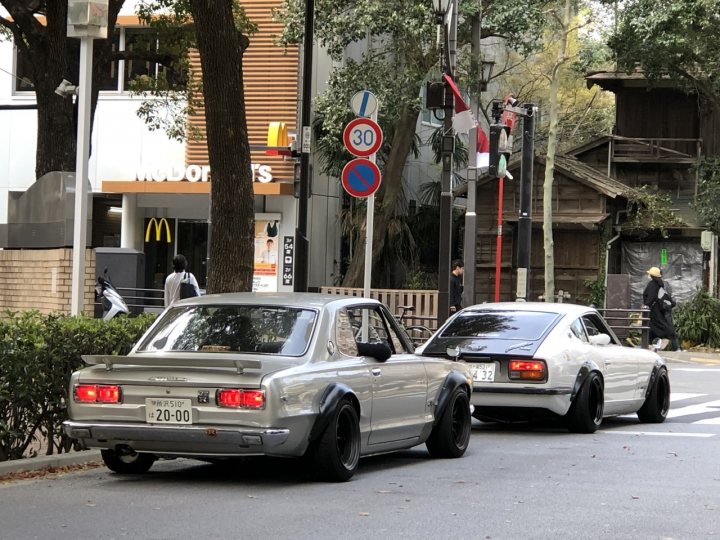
158,222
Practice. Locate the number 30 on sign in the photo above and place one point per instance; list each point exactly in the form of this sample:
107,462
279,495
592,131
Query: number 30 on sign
362,137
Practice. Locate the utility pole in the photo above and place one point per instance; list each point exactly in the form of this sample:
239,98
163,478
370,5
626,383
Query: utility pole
525,217
302,244
448,147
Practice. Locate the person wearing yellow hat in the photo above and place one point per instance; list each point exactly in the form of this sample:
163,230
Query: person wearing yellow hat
658,300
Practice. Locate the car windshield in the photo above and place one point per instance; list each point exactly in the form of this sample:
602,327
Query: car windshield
525,325
245,329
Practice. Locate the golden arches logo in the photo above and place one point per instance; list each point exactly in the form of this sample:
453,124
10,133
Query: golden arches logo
158,229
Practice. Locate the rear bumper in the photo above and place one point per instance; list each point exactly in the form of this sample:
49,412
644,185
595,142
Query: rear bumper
555,400
183,440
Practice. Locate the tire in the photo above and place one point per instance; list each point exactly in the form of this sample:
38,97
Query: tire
657,403
335,455
134,463
450,436
586,412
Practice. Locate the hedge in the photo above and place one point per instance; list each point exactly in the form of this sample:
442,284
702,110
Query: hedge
38,353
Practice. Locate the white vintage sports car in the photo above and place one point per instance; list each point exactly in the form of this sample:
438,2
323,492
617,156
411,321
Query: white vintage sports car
534,360
330,377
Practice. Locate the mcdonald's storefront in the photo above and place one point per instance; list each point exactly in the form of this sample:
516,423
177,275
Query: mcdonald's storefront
166,211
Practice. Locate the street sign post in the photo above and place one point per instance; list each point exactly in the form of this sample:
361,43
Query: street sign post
362,137
361,177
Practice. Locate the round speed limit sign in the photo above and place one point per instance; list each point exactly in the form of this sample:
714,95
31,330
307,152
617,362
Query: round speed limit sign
362,137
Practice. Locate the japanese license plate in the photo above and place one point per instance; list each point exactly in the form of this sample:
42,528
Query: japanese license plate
168,411
484,372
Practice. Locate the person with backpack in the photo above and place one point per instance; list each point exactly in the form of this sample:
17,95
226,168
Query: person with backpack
659,301
181,283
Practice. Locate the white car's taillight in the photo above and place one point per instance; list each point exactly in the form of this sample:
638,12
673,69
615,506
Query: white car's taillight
527,370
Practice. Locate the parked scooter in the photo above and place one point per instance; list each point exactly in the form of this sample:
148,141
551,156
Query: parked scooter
112,303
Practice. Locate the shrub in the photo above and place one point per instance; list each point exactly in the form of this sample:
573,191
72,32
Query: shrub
698,320
38,353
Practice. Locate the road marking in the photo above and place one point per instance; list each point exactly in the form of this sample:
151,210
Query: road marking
679,396
661,434
697,370
709,422
702,408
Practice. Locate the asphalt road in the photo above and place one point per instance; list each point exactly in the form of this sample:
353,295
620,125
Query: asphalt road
626,481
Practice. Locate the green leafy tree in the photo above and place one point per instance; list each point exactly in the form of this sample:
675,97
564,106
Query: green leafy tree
672,37
218,29
400,53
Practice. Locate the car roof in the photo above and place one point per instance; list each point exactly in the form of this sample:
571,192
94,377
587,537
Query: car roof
547,307
294,299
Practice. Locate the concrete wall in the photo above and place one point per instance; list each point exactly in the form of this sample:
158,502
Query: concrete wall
42,279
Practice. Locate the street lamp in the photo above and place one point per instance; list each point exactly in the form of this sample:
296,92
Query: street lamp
486,69
86,20
441,7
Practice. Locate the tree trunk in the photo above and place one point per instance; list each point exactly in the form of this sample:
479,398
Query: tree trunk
388,195
550,159
221,49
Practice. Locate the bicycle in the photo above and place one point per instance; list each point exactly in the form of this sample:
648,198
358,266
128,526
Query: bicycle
417,333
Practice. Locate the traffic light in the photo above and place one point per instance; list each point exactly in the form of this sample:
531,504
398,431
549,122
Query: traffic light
500,150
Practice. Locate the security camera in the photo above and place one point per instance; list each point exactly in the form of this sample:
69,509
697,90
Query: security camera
66,88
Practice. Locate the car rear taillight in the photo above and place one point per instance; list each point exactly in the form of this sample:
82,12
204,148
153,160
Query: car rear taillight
527,370
93,393
237,398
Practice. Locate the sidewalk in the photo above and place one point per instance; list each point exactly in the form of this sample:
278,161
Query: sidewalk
711,358
49,462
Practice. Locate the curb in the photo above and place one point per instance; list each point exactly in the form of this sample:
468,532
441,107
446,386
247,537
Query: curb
49,462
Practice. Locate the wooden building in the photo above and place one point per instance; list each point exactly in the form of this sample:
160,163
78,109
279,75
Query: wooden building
584,200
661,132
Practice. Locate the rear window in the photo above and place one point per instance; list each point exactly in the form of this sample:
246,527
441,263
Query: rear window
526,325
245,329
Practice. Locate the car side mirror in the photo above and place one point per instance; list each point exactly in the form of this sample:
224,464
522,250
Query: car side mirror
378,351
600,339
453,352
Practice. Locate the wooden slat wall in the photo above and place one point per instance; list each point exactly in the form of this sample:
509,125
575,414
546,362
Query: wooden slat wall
425,302
271,90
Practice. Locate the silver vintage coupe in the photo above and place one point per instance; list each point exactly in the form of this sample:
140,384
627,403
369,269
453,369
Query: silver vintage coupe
328,377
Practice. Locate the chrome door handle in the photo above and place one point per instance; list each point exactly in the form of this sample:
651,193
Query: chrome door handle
376,371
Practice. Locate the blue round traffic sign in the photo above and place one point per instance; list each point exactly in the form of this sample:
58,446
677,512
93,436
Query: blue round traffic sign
361,177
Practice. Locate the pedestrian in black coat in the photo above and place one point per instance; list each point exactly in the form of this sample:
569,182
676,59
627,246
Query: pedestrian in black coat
660,326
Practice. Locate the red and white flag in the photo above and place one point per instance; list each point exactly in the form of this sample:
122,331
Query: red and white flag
463,120
483,149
